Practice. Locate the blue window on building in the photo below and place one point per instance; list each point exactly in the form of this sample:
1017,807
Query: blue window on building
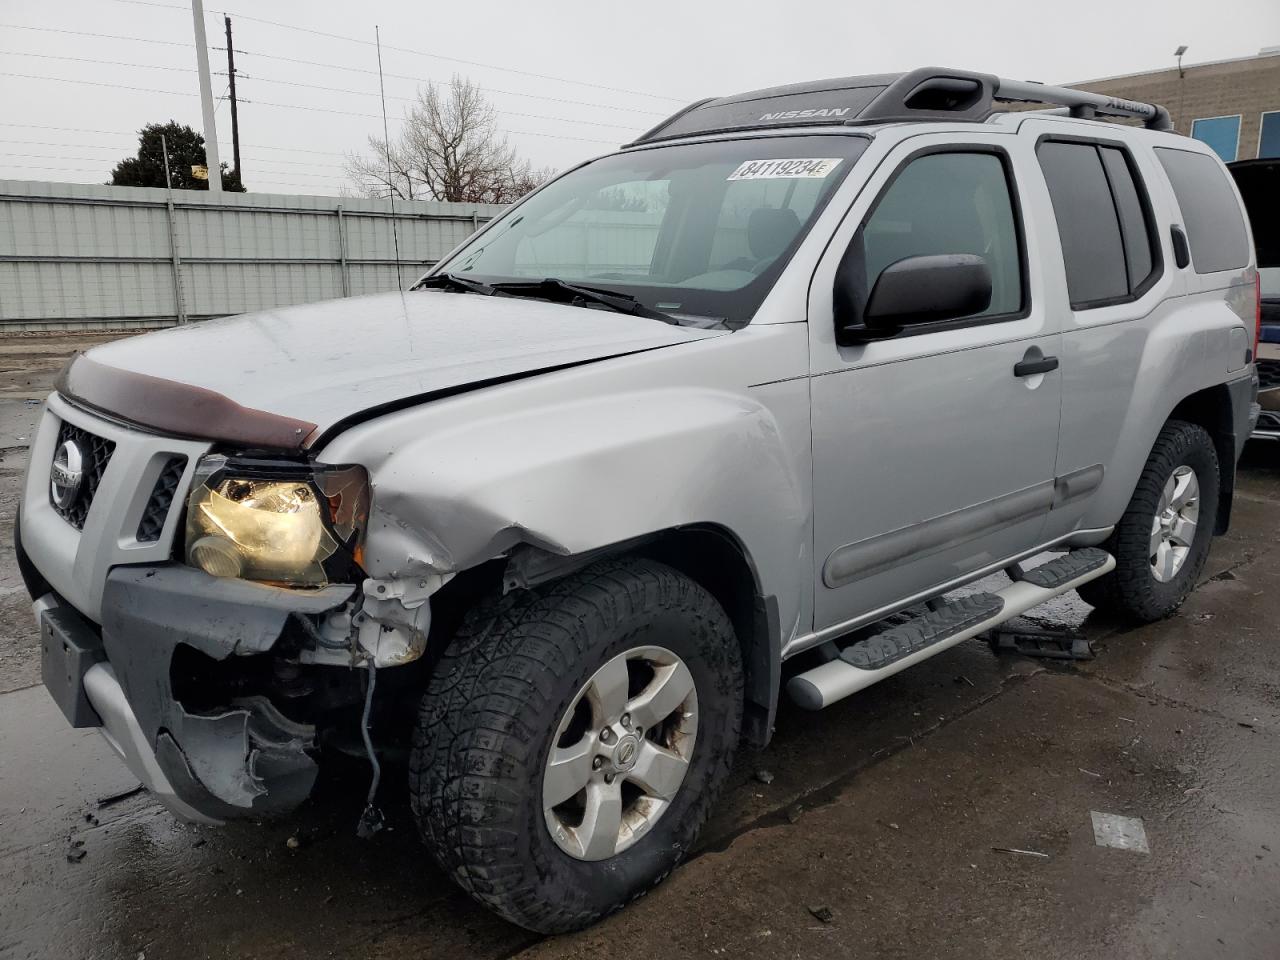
1222,134
1269,136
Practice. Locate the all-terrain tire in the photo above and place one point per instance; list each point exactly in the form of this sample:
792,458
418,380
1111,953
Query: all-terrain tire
489,719
1131,591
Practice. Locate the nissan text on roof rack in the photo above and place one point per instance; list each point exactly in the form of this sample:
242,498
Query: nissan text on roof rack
556,519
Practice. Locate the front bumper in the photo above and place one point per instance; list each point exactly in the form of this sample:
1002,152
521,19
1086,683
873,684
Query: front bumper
245,758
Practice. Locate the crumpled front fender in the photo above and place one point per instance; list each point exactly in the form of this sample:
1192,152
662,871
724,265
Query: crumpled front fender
715,433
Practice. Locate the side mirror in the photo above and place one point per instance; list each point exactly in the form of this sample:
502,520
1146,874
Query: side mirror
922,290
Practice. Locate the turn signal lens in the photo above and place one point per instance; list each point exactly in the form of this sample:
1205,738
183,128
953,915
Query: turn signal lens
270,530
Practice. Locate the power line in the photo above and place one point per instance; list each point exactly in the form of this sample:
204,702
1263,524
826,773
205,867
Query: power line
420,53
45,126
270,166
439,83
95,36
315,63
104,63
267,103
363,93
20,166
97,83
115,151
154,3
371,116
52,156
336,36
470,63
130,136
48,143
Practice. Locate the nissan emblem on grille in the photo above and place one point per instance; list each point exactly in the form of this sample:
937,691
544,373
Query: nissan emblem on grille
66,475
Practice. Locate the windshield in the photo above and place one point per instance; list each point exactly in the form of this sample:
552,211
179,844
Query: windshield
694,230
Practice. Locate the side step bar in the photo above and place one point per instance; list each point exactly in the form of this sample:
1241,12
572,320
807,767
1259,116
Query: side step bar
884,654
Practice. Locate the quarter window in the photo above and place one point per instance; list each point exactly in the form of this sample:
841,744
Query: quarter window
1103,223
943,203
1210,211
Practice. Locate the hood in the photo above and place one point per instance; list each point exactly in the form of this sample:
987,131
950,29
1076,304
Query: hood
286,377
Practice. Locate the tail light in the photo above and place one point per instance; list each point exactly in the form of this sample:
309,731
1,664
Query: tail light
1257,303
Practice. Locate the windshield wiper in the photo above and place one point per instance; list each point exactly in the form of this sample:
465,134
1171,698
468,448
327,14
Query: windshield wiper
451,281
552,288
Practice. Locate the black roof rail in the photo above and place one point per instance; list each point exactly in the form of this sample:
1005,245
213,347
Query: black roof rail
928,93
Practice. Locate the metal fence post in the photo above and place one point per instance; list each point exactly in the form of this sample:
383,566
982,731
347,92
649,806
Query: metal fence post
342,254
179,300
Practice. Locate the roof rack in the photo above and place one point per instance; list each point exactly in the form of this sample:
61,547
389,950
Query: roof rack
928,93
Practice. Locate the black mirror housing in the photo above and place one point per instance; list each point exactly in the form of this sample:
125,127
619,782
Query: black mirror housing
919,290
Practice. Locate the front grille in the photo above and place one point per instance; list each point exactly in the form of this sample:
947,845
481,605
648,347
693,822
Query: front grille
1268,374
95,454
162,494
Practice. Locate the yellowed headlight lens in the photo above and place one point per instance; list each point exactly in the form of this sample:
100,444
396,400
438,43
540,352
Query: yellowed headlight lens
273,528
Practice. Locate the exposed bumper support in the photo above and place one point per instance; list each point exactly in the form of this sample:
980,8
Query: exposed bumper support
120,728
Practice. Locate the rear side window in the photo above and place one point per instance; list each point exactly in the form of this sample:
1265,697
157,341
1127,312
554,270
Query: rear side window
1210,213
1103,222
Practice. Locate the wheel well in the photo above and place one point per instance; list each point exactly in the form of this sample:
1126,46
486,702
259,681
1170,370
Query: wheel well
1211,408
707,555
714,559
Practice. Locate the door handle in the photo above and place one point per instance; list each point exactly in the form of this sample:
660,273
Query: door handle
1027,368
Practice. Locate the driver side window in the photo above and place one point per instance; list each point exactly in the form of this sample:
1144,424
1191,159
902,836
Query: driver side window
945,203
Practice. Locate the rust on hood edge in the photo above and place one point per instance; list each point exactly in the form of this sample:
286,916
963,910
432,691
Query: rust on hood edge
181,409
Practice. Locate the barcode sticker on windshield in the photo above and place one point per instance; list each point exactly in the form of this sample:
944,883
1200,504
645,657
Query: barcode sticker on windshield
810,168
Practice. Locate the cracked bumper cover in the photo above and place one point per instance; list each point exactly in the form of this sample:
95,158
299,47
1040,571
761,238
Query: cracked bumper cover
245,760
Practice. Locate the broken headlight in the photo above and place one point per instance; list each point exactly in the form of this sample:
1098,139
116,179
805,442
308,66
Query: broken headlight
288,524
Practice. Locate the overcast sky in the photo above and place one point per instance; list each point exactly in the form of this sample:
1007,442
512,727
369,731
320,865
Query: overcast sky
571,78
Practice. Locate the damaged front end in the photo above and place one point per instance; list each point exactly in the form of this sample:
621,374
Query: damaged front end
211,671
219,693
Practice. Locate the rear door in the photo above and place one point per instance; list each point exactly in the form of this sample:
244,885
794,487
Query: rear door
932,458
1108,277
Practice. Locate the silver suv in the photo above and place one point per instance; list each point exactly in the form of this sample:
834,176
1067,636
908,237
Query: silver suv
553,522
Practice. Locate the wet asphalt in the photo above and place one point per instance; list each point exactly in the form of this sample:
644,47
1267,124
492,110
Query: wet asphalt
883,830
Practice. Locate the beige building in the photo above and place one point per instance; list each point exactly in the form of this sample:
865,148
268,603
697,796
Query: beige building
1232,105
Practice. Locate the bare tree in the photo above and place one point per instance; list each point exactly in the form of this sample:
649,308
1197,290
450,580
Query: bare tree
449,149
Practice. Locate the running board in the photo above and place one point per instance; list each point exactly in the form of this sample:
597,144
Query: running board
884,654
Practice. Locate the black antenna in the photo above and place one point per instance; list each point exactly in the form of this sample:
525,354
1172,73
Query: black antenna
386,143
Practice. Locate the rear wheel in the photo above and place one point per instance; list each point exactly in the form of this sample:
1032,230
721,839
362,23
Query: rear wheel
1162,541
573,739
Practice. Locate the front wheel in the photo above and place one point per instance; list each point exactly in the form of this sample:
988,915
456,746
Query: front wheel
1162,541
573,739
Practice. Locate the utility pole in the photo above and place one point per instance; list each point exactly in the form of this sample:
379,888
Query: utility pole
206,100
231,93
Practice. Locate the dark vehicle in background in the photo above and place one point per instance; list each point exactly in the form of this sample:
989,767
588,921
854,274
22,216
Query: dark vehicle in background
1259,183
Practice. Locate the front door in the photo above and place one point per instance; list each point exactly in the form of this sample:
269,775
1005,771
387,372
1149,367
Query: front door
932,457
